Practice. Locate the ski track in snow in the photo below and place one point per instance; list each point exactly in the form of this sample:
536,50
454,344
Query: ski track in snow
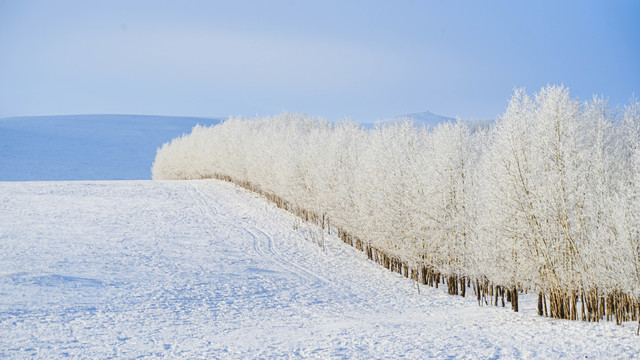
203,269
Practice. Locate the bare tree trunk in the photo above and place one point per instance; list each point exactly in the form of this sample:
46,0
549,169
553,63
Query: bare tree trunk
584,317
423,275
638,331
540,300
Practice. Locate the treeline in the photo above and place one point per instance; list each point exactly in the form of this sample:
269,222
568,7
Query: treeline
546,199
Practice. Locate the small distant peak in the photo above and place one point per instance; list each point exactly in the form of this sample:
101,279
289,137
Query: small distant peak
426,118
420,119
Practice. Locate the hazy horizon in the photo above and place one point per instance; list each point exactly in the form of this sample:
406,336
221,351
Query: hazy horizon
335,59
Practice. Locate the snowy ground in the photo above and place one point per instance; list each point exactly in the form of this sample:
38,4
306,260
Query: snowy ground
86,147
203,269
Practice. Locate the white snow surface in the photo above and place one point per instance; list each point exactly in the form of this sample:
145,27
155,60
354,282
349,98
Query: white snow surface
203,269
86,147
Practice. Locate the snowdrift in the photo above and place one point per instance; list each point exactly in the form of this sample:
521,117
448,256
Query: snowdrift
547,199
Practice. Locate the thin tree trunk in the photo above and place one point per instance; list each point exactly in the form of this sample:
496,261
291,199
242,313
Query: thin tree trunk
540,300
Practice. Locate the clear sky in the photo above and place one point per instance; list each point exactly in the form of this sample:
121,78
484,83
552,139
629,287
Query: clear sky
366,60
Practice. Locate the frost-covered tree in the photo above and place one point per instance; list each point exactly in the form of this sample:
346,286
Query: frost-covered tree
546,199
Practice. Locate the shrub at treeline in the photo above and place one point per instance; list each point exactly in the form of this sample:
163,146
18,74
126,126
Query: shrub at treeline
546,199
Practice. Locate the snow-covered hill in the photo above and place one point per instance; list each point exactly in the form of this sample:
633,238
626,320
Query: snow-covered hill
86,147
203,269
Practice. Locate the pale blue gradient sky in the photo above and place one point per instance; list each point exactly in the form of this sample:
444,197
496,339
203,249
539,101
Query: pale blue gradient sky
364,59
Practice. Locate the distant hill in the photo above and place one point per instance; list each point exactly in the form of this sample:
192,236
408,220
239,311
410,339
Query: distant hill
429,120
426,118
86,147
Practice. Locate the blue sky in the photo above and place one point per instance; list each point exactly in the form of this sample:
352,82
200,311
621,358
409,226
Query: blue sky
366,60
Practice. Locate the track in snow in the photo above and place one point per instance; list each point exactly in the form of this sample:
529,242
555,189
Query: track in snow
190,269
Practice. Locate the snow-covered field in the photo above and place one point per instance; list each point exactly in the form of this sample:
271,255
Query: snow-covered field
202,269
